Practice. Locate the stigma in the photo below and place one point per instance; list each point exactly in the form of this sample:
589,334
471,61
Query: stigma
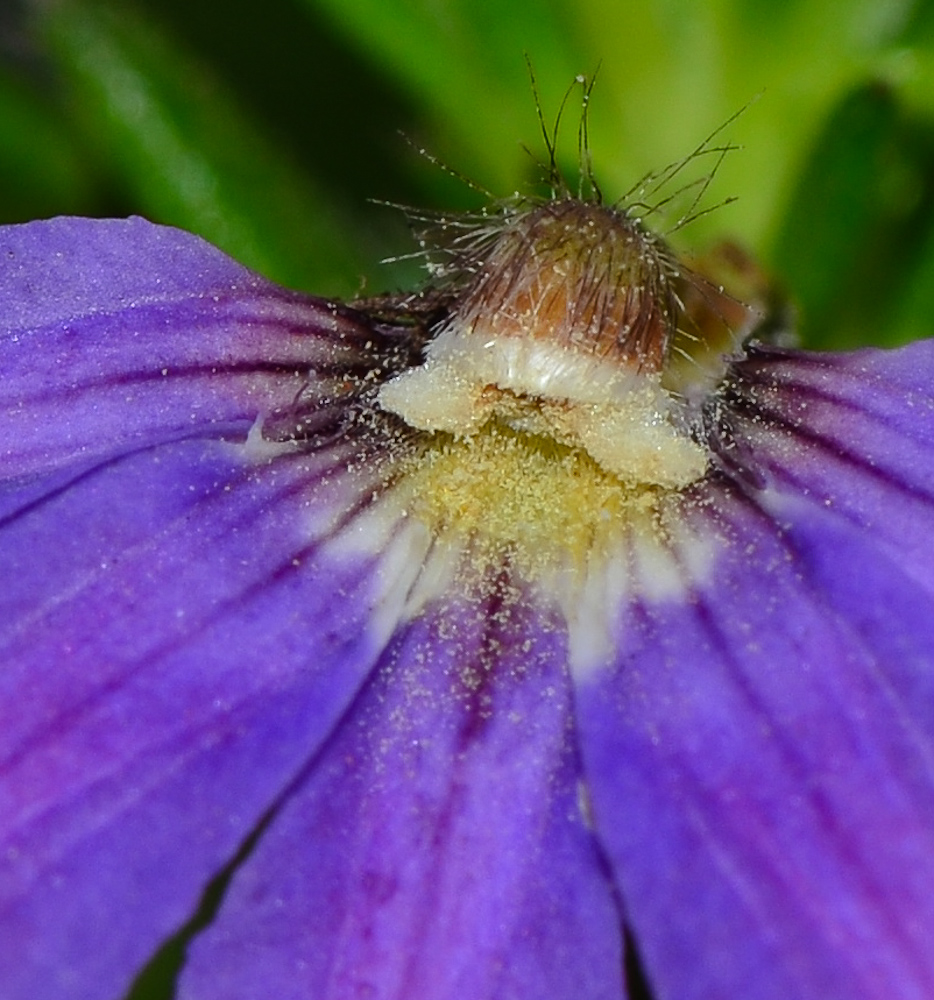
561,331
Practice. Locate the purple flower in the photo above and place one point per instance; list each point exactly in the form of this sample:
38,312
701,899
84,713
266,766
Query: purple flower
488,664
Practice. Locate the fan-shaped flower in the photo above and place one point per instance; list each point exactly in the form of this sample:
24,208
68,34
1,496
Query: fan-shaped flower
484,640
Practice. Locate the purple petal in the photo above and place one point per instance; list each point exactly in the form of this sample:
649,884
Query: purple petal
171,663
437,848
850,434
185,613
761,758
115,334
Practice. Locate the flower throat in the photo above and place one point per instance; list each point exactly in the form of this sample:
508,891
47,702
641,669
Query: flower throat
546,416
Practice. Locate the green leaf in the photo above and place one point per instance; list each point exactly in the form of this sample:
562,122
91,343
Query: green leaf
181,146
835,210
41,171
852,232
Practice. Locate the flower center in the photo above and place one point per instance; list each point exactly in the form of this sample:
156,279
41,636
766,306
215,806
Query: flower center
550,506
563,333
556,430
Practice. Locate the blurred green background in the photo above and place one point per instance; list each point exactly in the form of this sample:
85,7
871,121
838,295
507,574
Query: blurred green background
270,129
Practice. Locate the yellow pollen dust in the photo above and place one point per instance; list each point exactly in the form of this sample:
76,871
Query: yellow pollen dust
547,507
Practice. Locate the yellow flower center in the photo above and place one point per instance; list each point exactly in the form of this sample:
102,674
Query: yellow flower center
549,431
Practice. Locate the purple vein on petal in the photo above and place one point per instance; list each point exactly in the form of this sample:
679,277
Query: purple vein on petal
144,333
868,465
227,605
437,847
748,722
226,616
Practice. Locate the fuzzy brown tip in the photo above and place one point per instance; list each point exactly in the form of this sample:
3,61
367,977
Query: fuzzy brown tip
580,275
